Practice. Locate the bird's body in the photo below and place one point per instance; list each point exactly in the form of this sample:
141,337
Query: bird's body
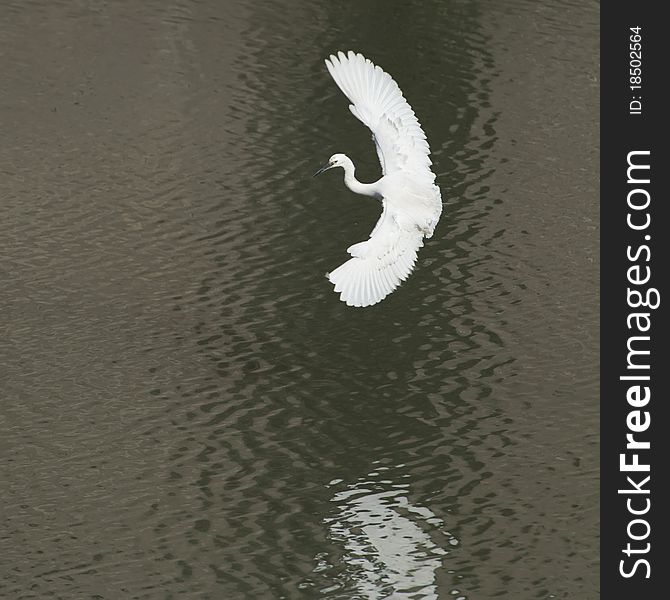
411,201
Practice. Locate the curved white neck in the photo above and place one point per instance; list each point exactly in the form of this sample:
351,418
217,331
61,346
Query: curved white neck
366,189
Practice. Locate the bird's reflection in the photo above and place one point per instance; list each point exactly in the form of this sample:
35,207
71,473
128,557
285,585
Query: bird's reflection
390,548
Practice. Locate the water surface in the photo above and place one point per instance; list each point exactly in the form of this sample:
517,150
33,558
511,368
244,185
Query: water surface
187,409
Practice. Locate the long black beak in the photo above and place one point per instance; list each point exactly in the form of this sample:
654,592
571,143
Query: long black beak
325,167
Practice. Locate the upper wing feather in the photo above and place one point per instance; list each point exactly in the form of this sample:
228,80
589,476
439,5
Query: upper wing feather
378,102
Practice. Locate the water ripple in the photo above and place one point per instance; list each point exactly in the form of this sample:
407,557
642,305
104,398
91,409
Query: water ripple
189,410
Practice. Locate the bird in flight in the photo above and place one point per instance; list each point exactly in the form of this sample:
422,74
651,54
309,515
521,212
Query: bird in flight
411,202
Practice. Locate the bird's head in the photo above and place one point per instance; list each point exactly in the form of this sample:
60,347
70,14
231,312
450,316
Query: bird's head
336,160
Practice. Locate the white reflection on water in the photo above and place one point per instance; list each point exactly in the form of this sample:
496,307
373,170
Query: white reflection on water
389,547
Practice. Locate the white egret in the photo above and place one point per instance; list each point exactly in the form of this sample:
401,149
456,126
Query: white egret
411,201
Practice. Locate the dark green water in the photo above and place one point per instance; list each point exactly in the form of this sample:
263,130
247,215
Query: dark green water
187,409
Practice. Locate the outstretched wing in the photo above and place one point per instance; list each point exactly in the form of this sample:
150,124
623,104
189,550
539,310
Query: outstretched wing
378,102
380,264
